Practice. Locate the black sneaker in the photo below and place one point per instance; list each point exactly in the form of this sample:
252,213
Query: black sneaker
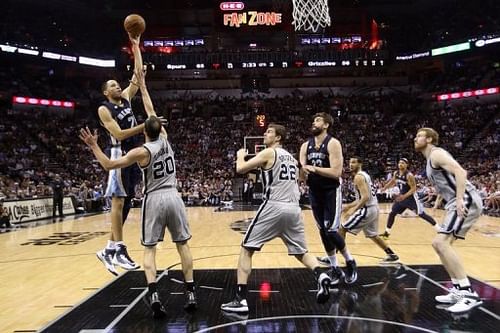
236,305
122,259
191,303
337,274
323,293
390,259
154,303
352,272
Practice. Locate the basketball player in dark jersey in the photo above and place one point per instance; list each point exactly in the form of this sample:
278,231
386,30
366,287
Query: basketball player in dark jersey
463,208
321,159
407,198
162,208
116,116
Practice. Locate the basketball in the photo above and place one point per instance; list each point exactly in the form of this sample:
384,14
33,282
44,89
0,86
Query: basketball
134,24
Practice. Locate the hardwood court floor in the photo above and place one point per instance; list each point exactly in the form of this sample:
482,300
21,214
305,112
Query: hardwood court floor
47,269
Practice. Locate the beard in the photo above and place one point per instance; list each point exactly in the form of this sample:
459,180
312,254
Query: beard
316,131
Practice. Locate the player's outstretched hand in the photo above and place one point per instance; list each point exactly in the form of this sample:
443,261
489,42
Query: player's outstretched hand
135,40
87,136
164,122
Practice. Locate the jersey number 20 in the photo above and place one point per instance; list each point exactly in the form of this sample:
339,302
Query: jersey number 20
163,168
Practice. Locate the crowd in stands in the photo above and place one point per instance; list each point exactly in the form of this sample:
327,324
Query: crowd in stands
207,133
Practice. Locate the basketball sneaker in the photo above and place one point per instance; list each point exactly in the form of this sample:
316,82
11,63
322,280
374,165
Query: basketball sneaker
336,274
352,272
236,305
323,293
385,235
324,260
390,259
106,257
468,300
191,303
154,303
452,297
122,259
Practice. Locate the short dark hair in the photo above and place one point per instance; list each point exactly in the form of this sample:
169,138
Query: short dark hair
357,158
152,125
326,117
104,86
280,130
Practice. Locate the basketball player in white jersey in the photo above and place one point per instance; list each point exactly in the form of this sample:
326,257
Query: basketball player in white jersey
278,216
362,214
464,207
162,207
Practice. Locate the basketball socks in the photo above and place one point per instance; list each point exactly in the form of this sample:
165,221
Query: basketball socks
388,230
464,284
333,260
347,255
241,292
111,245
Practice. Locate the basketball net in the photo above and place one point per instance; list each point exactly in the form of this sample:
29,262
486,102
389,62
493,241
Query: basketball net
310,15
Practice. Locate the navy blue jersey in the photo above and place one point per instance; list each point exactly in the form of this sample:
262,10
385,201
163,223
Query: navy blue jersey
320,158
402,181
125,118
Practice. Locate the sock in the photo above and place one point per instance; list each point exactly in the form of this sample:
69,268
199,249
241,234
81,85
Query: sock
347,255
333,260
388,230
241,293
152,288
110,245
464,284
119,243
189,285
388,251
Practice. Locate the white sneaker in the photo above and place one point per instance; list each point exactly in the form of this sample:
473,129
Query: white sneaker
466,303
122,259
452,297
106,257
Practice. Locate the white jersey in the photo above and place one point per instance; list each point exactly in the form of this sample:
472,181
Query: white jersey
372,191
280,181
444,182
160,172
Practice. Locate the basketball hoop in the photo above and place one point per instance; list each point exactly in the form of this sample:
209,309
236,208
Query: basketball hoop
310,15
